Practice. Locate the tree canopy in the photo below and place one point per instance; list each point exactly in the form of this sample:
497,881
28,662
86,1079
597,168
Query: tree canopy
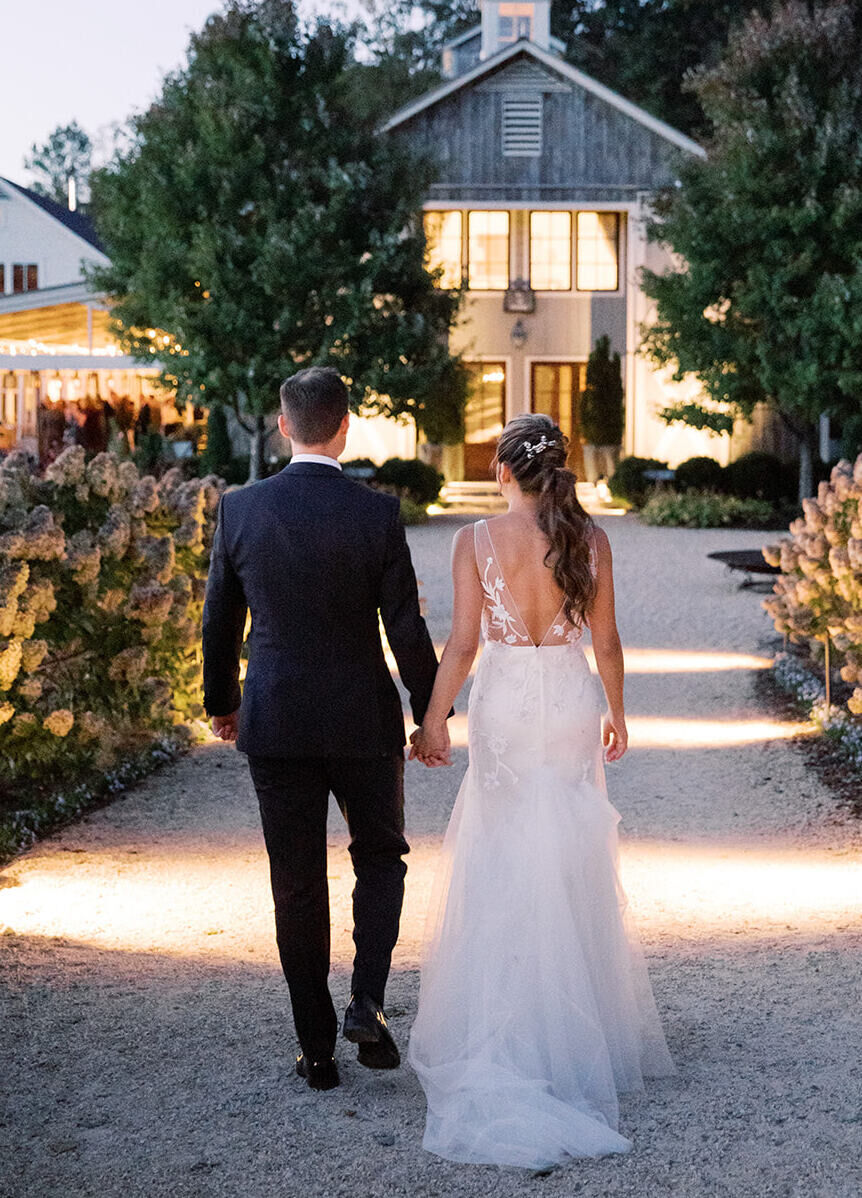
767,301
257,224
67,154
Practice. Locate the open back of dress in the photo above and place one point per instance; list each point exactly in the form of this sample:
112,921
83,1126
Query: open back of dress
535,1007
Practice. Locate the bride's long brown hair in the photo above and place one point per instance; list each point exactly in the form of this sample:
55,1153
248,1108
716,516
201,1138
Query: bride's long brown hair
534,449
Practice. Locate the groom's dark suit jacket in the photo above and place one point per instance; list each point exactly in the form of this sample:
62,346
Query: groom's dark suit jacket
315,556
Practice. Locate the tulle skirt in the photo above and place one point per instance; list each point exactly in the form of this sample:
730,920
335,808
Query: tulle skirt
535,1007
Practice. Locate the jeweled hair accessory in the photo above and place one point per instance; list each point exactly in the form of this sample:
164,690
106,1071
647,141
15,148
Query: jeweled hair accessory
534,447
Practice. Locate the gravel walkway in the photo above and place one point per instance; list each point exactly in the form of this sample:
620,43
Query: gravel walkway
146,1042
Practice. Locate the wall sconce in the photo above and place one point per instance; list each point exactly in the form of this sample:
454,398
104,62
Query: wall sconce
519,334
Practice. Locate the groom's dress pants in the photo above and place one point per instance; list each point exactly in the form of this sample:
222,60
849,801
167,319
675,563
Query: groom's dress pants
293,794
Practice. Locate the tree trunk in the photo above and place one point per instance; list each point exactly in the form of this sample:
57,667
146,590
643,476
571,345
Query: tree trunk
256,463
806,466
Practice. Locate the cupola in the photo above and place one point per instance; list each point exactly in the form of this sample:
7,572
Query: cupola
505,22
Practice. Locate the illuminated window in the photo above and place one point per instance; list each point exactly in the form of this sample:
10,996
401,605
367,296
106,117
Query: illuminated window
443,246
551,251
488,251
514,22
598,251
25,277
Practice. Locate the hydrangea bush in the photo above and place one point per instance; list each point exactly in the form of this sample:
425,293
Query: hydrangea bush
819,590
102,579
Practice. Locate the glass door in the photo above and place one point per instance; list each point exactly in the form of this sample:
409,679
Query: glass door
483,418
556,392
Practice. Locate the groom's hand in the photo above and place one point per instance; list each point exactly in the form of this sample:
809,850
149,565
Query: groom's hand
431,746
225,726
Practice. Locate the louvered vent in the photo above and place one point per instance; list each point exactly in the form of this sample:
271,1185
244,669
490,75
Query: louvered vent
522,127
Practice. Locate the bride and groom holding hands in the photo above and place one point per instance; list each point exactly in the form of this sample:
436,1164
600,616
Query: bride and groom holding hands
535,1009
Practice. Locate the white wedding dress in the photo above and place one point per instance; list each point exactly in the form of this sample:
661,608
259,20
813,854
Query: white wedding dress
535,1008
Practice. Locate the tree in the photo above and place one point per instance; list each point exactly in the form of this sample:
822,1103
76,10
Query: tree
767,304
601,415
644,49
258,224
67,154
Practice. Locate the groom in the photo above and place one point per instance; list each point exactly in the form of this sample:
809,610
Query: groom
316,557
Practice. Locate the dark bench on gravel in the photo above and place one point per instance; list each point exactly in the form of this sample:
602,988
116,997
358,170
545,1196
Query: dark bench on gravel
749,562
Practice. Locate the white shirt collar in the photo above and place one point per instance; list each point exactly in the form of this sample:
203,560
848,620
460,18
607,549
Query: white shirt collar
315,457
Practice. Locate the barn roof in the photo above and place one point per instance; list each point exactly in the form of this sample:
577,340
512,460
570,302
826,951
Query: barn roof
551,63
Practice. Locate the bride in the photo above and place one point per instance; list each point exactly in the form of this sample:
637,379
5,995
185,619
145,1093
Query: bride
535,1008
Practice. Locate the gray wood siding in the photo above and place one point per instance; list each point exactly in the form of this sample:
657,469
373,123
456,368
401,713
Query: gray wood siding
591,150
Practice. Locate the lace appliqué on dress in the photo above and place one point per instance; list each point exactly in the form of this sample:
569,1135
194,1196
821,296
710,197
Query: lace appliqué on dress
496,615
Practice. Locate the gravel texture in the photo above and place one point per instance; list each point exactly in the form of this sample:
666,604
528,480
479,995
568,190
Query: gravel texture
146,1046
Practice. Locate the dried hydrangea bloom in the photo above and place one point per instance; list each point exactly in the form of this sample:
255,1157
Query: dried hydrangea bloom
169,482
39,600
10,663
33,653
102,475
127,475
6,712
129,664
13,580
83,557
69,468
30,689
157,555
144,496
149,602
39,538
189,535
113,536
59,722
25,723
112,600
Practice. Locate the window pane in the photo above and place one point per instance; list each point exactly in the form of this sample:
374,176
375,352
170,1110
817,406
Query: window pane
515,21
17,277
443,246
483,416
32,278
488,251
598,251
550,251
2,278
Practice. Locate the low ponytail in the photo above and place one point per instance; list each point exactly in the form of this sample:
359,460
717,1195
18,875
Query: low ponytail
534,449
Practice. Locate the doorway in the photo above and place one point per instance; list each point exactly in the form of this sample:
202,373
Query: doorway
555,391
483,418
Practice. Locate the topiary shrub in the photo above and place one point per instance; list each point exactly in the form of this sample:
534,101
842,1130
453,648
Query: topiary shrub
411,479
601,410
760,475
102,578
699,474
819,591
628,482
218,452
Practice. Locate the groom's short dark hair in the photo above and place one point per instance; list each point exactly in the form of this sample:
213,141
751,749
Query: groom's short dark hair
314,402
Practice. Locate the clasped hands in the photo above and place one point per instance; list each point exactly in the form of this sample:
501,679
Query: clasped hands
430,745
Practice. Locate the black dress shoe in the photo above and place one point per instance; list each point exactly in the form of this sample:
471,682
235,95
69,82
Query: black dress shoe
365,1025
320,1075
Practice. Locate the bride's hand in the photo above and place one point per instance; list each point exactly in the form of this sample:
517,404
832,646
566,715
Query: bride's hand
615,737
430,744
